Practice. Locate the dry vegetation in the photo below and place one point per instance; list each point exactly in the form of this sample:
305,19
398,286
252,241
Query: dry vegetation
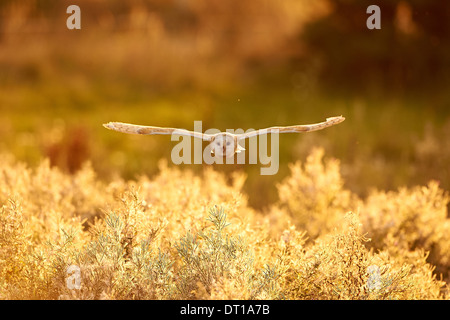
183,236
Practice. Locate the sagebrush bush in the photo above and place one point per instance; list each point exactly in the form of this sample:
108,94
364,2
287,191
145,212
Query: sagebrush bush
314,195
183,236
410,219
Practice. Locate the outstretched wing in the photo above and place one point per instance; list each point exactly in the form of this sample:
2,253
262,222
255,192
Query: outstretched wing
137,129
299,128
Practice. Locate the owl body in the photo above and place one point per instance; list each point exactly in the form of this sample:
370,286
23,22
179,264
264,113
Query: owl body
225,144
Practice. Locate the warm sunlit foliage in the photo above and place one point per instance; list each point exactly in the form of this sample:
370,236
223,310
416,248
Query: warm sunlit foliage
182,236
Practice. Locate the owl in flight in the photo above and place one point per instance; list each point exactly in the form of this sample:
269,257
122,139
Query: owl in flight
222,143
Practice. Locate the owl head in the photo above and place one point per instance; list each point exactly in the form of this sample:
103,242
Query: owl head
225,144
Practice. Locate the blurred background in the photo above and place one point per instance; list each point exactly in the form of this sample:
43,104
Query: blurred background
232,64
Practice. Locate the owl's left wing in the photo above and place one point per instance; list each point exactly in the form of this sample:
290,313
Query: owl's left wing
294,129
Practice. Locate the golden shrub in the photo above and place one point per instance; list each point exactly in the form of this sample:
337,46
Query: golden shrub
314,195
410,219
184,236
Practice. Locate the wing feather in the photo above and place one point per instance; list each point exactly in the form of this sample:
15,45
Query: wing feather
137,129
294,129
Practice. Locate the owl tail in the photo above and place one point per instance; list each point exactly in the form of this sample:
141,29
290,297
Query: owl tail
239,148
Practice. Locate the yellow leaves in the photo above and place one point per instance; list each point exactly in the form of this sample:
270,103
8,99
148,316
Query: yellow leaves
152,238
410,219
314,196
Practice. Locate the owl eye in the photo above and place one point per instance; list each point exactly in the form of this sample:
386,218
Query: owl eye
228,143
218,143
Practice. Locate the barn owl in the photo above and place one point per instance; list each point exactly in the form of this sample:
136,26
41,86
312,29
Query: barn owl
222,143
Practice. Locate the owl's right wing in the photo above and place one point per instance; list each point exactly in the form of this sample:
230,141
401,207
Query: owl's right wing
138,129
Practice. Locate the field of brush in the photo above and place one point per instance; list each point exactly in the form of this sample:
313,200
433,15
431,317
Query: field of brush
184,236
